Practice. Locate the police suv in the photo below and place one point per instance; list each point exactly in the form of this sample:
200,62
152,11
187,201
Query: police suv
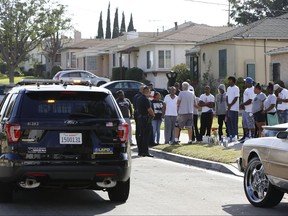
63,135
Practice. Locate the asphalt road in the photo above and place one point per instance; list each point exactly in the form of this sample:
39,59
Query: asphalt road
158,187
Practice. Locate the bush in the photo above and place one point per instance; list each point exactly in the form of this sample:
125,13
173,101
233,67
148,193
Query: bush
134,74
55,69
118,73
183,73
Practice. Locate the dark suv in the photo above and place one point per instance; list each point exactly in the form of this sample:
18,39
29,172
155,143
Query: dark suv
66,136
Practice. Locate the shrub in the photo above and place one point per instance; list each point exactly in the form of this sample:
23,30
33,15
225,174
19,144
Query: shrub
134,74
55,69
118,73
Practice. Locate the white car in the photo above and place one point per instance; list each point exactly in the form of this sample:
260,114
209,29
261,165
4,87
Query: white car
82,75
265,166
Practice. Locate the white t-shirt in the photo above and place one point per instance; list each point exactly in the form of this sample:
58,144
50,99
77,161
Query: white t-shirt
232,92
248,94
171,105
190,88
195,109
283,95
271,99
207,98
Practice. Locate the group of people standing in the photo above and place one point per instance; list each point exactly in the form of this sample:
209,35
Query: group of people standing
180,109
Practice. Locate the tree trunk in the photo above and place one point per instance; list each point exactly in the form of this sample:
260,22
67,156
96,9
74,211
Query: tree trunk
11,74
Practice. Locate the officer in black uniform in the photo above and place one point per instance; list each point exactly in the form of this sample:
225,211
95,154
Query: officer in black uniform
145,116
136,116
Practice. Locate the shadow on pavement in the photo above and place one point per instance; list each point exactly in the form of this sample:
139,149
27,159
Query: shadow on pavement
248,209
58,202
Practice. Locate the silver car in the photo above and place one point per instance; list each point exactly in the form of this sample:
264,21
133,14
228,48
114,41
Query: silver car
82,75
264,162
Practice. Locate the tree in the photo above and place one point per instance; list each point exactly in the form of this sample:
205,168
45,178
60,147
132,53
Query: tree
248,11
100,27
56,40
131,26
123,26
108,25
116,25
23,26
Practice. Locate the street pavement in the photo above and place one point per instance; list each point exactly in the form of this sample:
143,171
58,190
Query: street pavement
206,164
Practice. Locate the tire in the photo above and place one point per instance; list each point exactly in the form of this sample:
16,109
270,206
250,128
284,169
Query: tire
120,192
6,192
258,189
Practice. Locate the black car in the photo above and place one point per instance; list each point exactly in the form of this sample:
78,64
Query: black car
130,88
63,136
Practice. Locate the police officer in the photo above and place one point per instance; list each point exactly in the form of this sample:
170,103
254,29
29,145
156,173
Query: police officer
136,115
145,116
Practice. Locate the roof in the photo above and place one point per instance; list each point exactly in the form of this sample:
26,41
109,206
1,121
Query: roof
278,51
268,28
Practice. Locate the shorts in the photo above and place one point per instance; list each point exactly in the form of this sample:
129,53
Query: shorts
184,120
259,116
248,120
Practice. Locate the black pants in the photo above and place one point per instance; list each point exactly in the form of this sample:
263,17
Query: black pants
145,126
221,120
206,123
137,129
196,134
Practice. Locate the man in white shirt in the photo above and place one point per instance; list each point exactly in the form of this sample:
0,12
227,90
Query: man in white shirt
282,103
170,115
232,99
207,102
248,122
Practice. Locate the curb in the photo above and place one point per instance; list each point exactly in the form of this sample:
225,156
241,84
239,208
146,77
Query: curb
205,164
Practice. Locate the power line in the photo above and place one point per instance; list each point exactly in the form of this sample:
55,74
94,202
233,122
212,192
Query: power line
205,2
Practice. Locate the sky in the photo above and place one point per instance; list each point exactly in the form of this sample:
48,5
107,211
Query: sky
148,15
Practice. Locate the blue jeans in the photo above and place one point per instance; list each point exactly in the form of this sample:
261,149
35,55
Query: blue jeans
156,124
232,123
282,116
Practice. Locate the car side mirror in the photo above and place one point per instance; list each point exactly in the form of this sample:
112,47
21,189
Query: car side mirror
282,135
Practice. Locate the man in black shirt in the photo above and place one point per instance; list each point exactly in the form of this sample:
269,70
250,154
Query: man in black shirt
145,116
126,109
135,99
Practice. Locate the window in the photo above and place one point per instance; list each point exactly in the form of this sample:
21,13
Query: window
149,59
91,62
58,58
251,71
67,60
222,63
73,60
276,71
188,58
121,85
164,57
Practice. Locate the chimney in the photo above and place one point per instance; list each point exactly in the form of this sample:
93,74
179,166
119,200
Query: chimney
77,35
176,26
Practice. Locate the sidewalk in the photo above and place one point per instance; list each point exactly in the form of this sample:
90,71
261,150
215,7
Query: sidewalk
210,165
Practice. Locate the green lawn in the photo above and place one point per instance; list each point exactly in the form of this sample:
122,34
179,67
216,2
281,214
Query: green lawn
5,80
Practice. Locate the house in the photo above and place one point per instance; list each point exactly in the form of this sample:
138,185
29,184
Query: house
154,53
279,64
242,51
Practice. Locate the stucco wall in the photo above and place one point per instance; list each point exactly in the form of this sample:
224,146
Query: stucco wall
239,54
283,60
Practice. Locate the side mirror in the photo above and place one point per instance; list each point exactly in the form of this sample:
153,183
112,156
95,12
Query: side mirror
282,135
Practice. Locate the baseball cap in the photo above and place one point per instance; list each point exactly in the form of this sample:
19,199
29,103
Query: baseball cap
276,87
249,80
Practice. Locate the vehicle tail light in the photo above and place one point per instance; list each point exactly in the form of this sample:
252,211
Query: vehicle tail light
13,131
123,131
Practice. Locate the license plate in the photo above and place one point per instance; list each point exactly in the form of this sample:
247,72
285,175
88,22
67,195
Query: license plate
71,138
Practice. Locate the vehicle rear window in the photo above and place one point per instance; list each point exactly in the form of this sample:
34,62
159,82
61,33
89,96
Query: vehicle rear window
68,104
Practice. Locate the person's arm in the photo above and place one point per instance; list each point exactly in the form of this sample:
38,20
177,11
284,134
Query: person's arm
150,112
163,109
130,108
269,108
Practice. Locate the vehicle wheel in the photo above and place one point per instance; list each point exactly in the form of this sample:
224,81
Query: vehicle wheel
120,192
6,192
259,191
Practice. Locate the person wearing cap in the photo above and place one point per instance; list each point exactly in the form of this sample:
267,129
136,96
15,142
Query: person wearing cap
126,110
282,103
220,109
248,122
232,100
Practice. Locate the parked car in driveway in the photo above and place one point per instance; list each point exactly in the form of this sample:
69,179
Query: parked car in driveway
130,88
82,75
264,162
